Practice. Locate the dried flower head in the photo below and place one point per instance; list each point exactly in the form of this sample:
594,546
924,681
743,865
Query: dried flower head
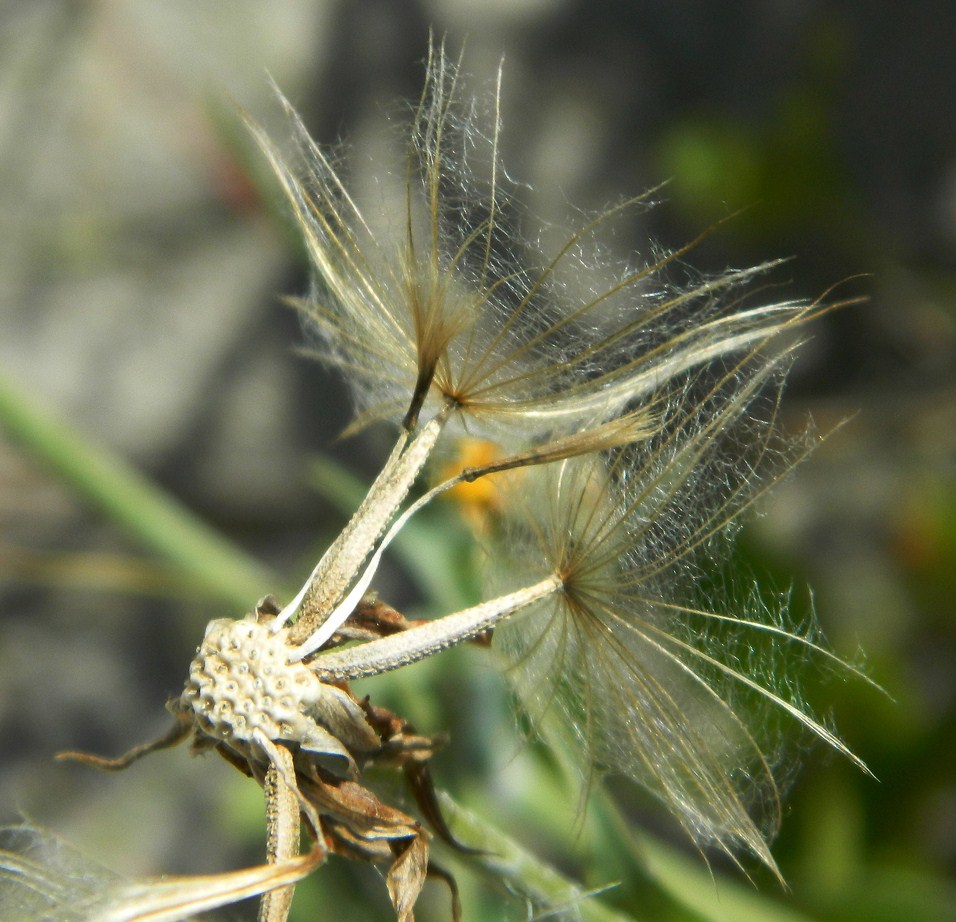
642,416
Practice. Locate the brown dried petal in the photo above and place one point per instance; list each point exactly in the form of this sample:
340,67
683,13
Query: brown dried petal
406,877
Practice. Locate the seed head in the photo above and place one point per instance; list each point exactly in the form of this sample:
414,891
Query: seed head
459,307
645,414
649,676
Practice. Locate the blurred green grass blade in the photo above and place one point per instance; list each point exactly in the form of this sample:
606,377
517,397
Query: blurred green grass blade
714,899
506,861
689,882
117,490
891,894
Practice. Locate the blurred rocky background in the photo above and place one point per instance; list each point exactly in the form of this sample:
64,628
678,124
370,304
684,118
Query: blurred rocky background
141,278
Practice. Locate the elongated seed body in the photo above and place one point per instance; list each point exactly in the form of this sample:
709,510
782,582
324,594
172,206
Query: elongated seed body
344,558
419,642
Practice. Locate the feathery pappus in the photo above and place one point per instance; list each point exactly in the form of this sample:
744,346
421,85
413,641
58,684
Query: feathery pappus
634,421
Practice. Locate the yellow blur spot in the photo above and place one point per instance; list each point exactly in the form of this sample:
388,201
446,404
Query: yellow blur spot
479,501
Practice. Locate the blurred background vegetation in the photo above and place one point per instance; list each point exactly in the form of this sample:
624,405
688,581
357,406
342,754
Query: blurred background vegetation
140,279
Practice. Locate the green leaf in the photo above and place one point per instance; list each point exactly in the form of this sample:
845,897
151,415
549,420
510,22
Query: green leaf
113,487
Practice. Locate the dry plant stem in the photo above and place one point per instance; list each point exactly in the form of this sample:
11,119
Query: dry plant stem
344,558
282,822
173,737
284,801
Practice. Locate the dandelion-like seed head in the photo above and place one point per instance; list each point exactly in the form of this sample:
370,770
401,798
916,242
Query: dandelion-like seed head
651,676
460,309
639,418
645,413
